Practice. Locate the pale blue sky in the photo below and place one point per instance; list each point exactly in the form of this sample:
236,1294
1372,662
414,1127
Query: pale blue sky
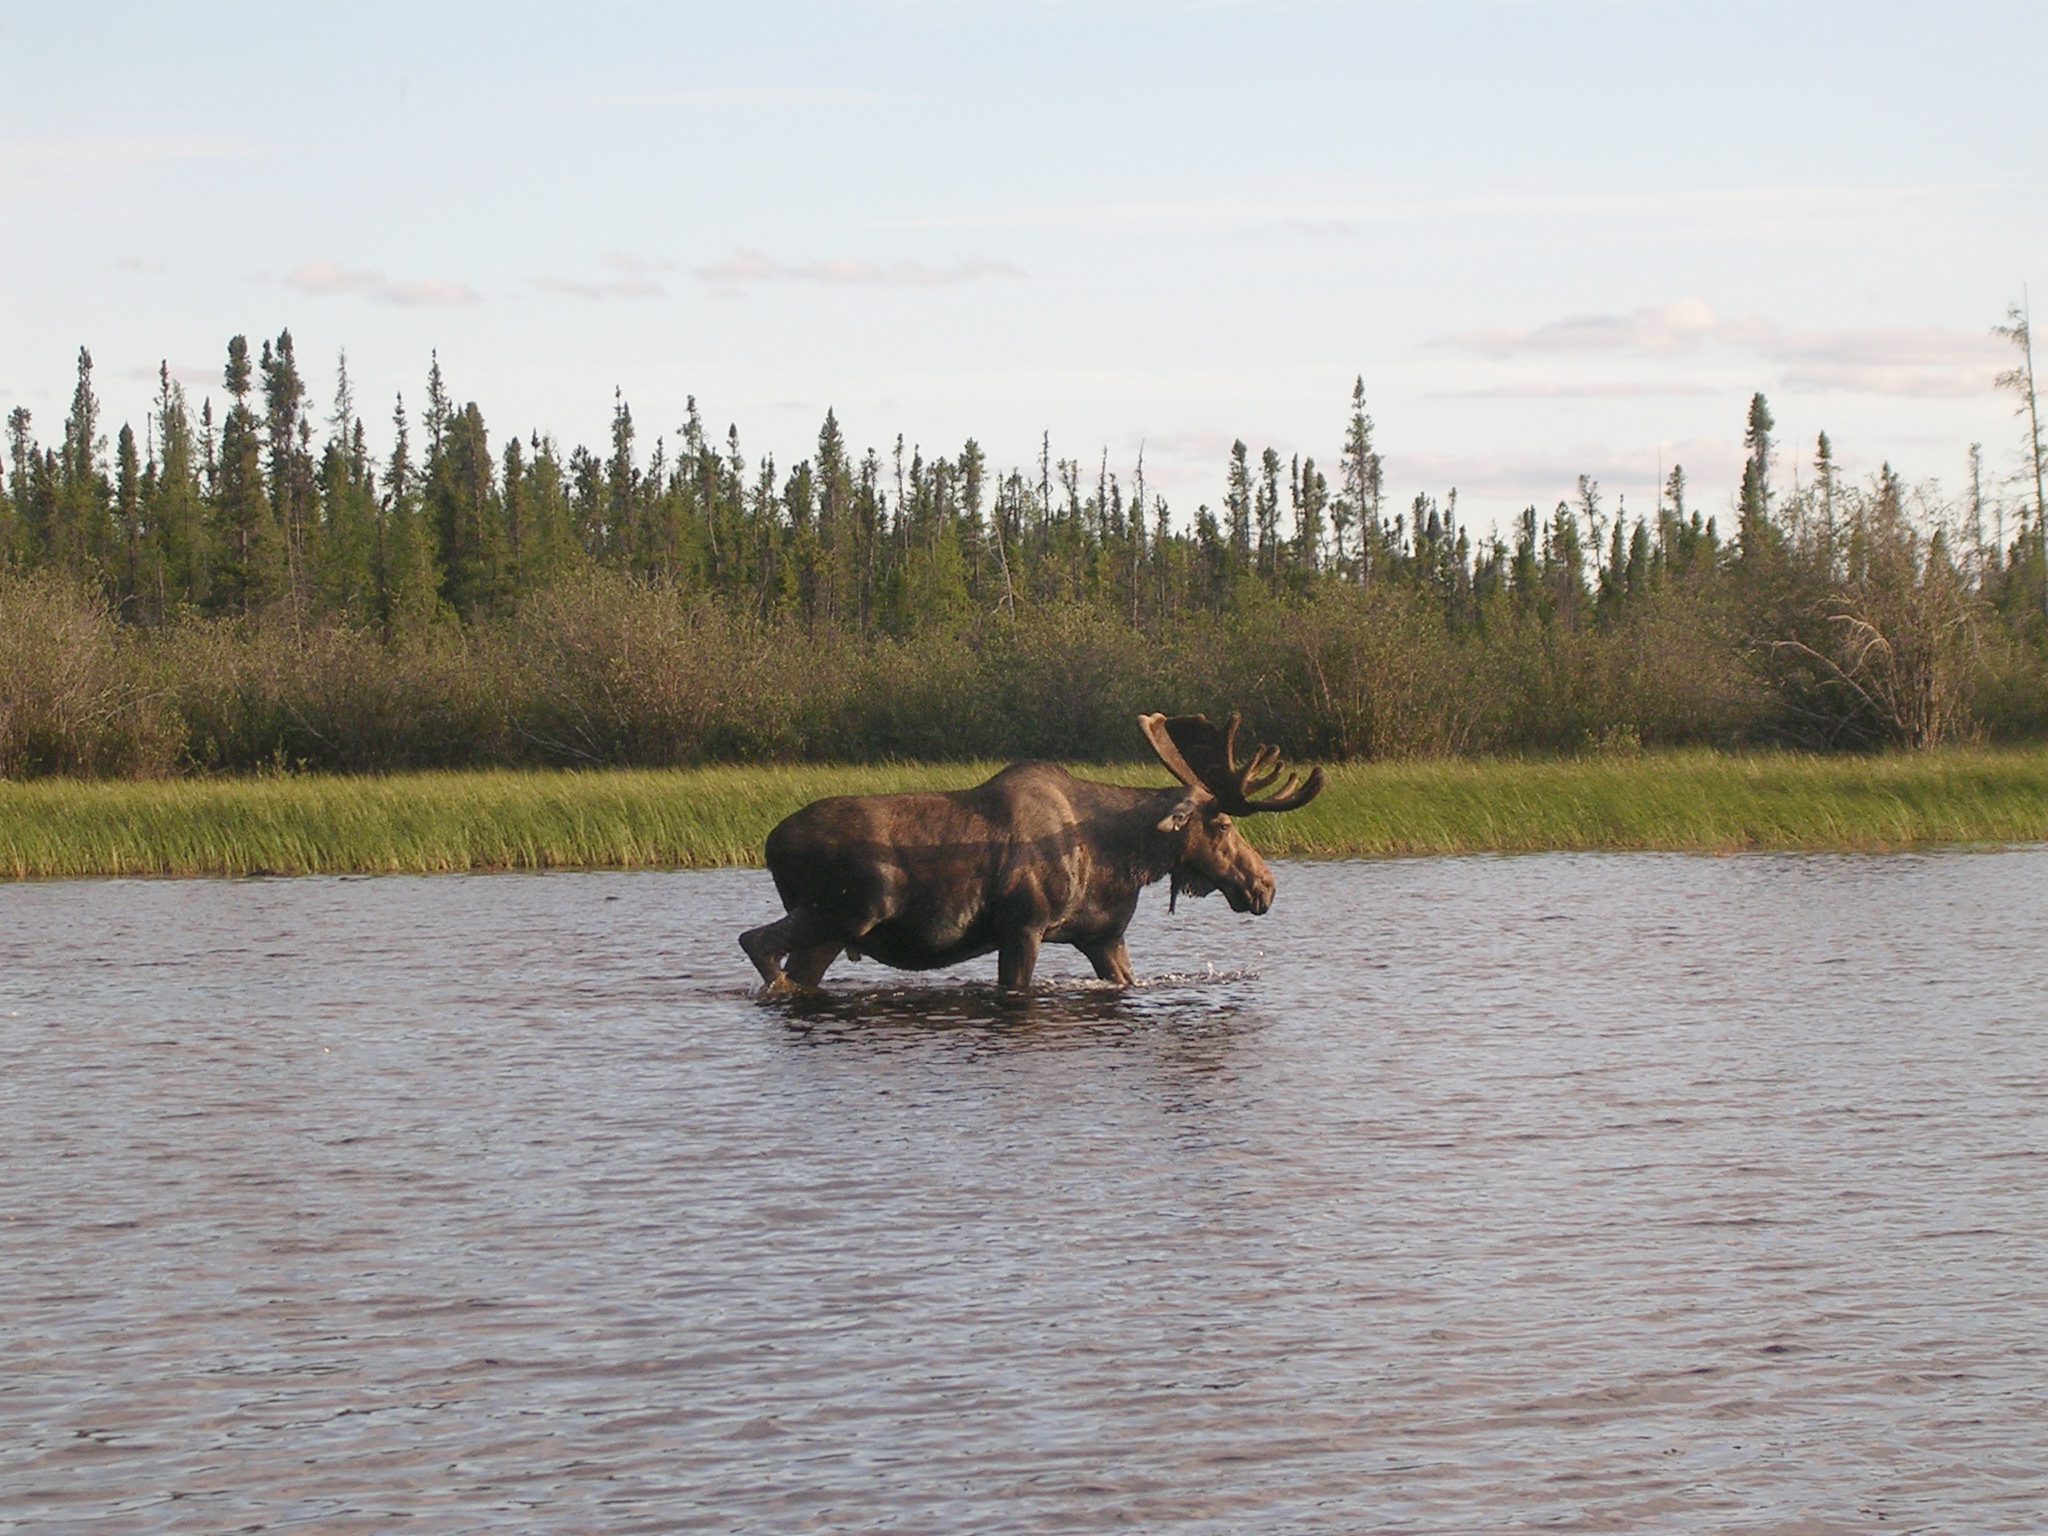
1555,236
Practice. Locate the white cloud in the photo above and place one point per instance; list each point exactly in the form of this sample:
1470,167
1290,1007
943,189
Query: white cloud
1655,330
116,151
332,277
1542,477
427,291
1595,389
1914,361
1370,211
86,168
733,98
627,287
633,277
745,267
1878,379
1917,362
192,376
329,278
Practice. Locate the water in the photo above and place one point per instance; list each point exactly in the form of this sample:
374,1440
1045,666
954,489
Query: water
1585,1193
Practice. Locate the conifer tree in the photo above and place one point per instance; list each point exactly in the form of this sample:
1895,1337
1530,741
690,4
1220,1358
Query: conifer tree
1987,559
1614,583
17,538
345,556
622,488
409,573
970,474
1825,484
177,508
435,420
252,567
1525,576
838,555
125,554
1759,543
1311,502
1237,501
1267,508
466,515
1362,481
80,532
1565,564
2020,380
1670,522
291,484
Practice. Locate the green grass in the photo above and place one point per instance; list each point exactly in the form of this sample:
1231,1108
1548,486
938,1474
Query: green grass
1687,802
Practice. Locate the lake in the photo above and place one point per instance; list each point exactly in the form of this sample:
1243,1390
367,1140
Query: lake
1576,1192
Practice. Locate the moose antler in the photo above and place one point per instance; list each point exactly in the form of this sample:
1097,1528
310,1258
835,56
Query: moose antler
1202,757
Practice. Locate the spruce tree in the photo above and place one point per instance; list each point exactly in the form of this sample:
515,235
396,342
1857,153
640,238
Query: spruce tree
80,532
547,546
17,539
1310,499
466,515
1825,485
125,565
622,488
2020,380
1363,482
1237,501
291,483
177,508
252,567
409,570
1267,510
345,556
1759,541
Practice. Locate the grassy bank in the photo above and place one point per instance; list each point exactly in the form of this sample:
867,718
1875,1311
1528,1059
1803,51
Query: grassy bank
1686,802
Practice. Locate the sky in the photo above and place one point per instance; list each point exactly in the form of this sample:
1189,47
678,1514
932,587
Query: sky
1554,238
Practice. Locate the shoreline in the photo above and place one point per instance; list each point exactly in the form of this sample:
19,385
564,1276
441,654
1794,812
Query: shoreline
1694,802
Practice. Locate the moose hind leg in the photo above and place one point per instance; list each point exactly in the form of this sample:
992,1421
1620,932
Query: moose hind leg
808,962
766,946
792,951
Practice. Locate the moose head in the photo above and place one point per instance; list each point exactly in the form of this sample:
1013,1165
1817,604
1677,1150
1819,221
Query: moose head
1209,853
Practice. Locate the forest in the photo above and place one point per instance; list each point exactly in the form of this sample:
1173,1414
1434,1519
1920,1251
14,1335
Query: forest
253,591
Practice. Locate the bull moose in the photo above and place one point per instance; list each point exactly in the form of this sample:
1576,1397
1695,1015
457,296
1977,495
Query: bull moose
919,881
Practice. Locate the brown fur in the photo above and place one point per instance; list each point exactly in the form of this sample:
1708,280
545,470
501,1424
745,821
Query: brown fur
1033,856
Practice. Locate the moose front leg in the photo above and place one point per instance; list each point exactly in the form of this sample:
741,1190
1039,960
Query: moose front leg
1018,958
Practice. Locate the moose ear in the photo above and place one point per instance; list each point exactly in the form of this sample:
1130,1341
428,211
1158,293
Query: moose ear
1181,814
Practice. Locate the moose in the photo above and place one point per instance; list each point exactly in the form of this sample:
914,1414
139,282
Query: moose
1035,855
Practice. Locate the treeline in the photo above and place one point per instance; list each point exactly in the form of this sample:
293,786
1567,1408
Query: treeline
245,590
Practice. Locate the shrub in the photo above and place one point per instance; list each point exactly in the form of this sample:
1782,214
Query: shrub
606,669
334,697
1359,674
72,700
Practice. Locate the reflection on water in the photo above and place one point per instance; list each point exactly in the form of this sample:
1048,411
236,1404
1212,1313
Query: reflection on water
1594,1193
1064,1013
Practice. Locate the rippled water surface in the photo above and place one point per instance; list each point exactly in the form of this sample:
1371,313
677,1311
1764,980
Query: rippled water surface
1588,1193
